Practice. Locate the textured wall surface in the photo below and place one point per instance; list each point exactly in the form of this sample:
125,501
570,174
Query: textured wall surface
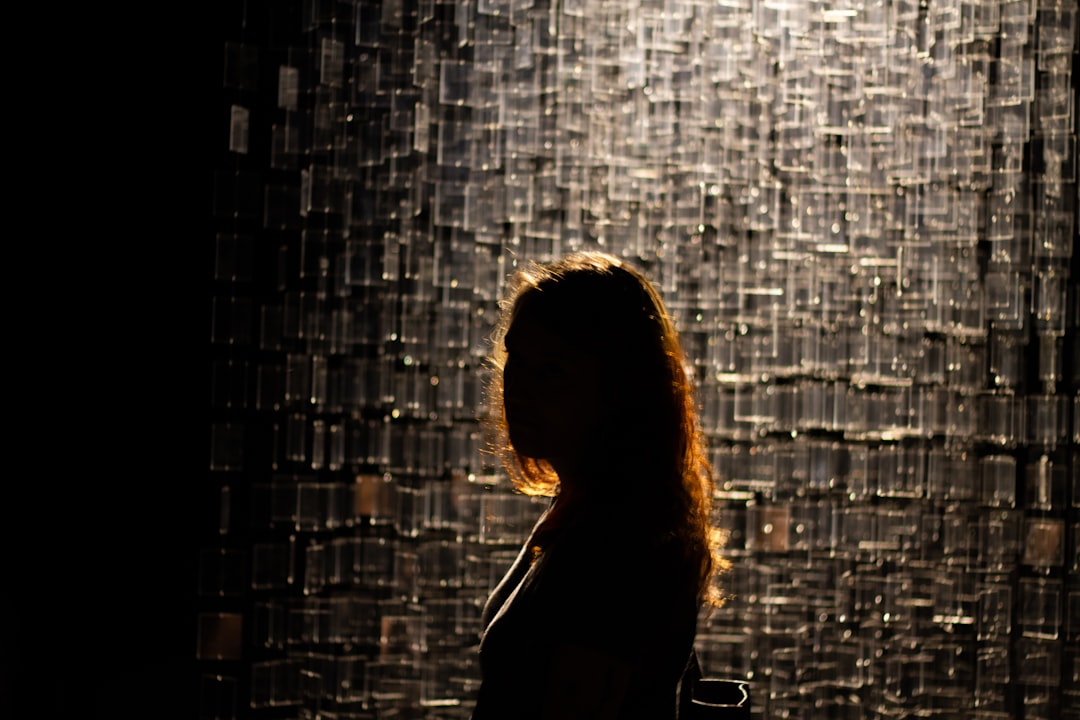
863,216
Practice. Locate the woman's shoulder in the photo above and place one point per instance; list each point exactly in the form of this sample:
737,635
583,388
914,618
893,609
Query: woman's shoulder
620,554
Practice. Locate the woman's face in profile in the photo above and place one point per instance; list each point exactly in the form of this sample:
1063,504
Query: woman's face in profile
551,391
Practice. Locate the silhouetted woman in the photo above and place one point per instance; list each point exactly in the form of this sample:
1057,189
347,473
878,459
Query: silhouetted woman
591,404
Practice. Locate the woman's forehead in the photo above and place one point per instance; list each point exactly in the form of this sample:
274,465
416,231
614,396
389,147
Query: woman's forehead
528,329
534,331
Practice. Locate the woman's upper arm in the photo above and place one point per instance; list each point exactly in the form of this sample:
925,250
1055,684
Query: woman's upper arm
585,683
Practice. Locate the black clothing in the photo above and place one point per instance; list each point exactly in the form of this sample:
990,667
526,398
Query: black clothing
591,588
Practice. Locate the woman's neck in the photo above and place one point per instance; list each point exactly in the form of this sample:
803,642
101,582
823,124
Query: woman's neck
566,506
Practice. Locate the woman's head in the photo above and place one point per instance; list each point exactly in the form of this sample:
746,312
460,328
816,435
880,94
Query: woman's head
584,342
589,375
602,325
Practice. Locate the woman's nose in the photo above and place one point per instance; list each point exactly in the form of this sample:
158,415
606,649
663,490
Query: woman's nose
515,382
510,378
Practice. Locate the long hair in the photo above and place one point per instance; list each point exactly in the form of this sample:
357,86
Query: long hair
650,457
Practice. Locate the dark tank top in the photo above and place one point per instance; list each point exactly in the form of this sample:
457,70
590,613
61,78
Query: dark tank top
588,588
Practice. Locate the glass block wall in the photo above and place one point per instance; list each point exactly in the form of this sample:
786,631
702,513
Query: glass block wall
863,215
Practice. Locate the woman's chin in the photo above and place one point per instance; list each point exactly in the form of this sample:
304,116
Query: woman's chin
525,445
525,449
